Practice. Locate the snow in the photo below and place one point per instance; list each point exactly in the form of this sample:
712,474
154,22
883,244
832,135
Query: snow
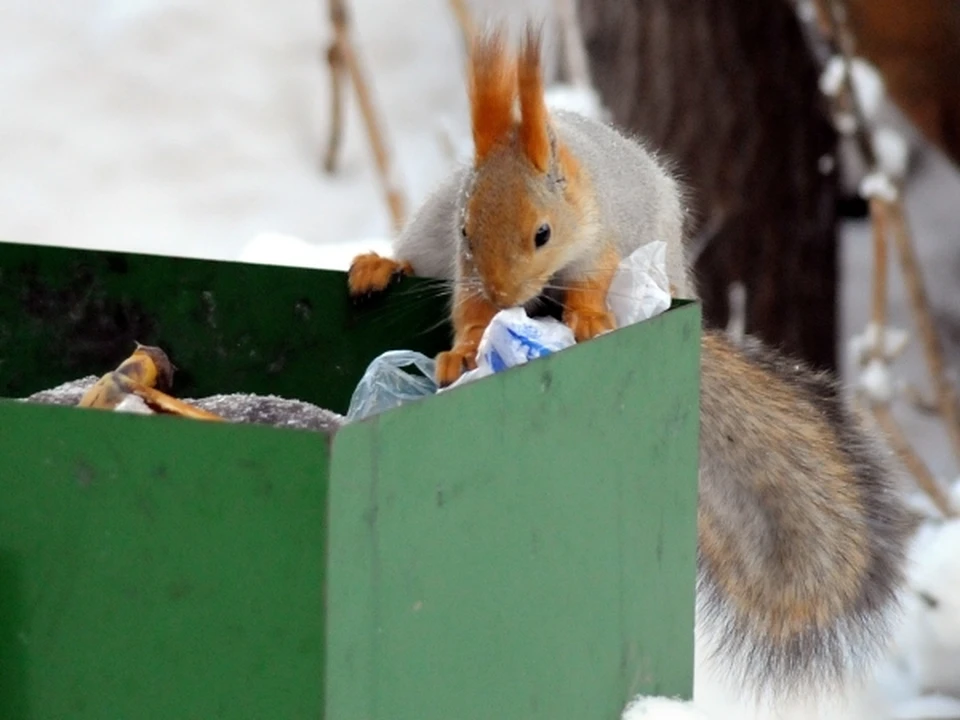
932,647
876,382
197,129
928,707
583,100
133,404
867,83
234,407
892,151
832,77
190,128
662,708
272,248
861,347
878,185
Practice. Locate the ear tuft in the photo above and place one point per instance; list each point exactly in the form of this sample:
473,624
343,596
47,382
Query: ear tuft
534,135
493,85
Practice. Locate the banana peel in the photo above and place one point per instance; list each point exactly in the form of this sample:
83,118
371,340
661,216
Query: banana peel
148,374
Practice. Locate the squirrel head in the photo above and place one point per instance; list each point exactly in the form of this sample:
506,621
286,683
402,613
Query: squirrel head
523,218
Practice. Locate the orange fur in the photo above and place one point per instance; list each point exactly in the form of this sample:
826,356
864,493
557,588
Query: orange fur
533,107
371,273
493,86
472,312
585,306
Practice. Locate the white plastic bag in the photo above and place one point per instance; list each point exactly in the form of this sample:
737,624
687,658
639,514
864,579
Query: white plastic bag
386,384
640,289
513,338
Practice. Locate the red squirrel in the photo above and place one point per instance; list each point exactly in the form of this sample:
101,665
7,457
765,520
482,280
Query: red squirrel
801,530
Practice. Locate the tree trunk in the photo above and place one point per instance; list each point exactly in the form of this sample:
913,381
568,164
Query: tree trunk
729,92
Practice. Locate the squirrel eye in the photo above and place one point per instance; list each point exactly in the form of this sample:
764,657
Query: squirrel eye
542,236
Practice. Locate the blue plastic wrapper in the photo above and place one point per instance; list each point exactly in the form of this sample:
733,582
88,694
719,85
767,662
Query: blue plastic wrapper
512,338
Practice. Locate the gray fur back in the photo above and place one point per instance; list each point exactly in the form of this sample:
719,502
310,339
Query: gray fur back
639,201
429,240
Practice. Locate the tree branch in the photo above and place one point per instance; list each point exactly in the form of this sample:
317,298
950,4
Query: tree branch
344,49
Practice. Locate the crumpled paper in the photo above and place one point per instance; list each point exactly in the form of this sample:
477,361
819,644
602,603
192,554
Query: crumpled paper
640,289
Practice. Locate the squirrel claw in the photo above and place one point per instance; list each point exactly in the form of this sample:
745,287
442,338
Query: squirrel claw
452,364
588,324
371,274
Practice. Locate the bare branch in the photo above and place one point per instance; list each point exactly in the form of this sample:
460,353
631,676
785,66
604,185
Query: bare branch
335,62
920,402
878,215
345,49
889,215
933,350
911,460
842,39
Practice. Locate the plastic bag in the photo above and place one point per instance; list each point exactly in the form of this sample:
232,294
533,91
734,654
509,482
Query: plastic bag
513,338
640,289
386,384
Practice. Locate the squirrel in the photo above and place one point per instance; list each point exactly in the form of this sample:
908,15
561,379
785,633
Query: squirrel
801,528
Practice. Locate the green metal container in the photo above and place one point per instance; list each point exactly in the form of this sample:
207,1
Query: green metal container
519,548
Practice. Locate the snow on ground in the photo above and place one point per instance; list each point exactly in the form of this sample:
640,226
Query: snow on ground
197,129
188,128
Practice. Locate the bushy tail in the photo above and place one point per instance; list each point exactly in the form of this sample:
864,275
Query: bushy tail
802,530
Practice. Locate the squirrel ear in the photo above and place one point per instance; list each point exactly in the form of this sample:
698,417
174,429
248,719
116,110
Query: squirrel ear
534,131
493,86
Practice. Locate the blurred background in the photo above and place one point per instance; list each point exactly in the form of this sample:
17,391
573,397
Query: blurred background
197,128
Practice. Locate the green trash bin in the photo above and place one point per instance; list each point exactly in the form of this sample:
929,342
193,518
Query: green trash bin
519,548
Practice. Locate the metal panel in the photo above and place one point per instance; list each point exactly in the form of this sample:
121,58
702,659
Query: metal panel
158,568
229,327
523,547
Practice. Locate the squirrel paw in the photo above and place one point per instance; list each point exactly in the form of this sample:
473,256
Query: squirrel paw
453,363
588,324
370,274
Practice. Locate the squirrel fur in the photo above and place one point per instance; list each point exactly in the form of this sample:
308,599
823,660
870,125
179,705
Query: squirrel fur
801,529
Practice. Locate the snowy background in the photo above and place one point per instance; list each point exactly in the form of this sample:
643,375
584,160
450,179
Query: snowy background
187,128
190,129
